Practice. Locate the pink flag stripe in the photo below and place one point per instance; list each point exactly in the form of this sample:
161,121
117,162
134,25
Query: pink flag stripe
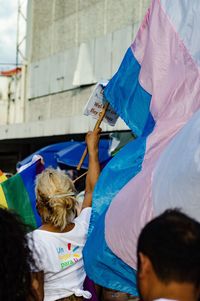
169,73
184,17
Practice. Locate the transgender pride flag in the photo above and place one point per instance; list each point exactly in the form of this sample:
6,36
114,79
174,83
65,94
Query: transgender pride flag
156,91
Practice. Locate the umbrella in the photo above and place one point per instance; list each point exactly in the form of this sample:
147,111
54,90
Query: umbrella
48,153
68,153
71,155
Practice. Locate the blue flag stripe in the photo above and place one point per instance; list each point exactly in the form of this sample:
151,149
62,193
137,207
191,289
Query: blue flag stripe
126,95
108,271
128,98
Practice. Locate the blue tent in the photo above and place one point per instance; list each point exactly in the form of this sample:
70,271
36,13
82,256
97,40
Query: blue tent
71,155
67,153
48,153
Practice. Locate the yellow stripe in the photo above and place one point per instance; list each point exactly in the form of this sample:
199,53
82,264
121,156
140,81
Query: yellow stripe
2,198
2,178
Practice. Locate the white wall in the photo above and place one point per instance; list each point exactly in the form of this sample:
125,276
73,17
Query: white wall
4,82
11,100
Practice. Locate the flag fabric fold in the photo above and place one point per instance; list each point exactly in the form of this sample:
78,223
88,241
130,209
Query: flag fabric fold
156,91
179,165
125,86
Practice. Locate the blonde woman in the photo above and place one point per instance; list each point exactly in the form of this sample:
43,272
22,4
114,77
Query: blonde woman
59,242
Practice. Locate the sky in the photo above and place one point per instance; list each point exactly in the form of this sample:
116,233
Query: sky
8,31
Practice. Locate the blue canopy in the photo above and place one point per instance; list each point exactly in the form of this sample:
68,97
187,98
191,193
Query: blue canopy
67,153
48,153
72,154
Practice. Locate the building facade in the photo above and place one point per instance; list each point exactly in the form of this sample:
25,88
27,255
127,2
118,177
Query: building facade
71,45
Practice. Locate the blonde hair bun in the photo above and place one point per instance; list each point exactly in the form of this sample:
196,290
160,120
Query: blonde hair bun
56,197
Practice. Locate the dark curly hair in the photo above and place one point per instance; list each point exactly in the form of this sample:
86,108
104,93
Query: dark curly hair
15,257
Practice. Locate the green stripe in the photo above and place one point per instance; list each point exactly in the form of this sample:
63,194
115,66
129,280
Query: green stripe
18,199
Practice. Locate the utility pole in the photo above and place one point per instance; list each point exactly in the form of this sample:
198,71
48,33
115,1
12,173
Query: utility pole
21,35
20,55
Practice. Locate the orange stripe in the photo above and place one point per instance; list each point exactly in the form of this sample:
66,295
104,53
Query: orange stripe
2,176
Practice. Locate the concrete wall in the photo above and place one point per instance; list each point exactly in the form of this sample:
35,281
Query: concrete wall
58,25
11,101
4,90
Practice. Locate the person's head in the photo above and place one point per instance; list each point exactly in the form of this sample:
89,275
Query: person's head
56,198
168,252
15,257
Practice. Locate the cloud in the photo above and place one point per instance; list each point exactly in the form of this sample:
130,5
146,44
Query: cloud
7,7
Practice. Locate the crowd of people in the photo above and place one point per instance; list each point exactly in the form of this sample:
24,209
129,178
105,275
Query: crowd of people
47,264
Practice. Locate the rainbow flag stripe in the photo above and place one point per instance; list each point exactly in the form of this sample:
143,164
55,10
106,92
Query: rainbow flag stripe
2,197
18,193
2,177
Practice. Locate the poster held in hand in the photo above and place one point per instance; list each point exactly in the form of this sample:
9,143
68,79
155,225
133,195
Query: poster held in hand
96,103
98,108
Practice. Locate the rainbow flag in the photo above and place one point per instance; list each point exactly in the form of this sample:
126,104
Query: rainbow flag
18,193
156,91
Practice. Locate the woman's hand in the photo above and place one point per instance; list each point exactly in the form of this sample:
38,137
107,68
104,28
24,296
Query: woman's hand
92,140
